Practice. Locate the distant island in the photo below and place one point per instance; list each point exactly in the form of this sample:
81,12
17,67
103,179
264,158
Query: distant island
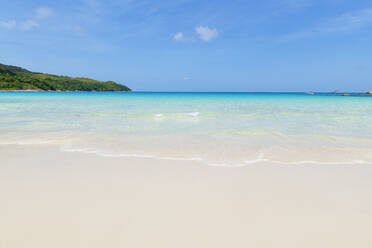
13,78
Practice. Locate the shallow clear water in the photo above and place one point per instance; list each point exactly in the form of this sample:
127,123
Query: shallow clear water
227,129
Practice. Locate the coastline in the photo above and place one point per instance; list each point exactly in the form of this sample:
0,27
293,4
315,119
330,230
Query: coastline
38,90
90,201
367,93
27,90
248,124
218,129
185,170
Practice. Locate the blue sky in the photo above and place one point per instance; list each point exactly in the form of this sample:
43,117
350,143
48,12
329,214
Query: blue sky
190,45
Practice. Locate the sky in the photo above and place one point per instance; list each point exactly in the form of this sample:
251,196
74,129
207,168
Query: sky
195,45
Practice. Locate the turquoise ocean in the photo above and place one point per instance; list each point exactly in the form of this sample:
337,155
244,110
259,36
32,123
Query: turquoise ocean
221,129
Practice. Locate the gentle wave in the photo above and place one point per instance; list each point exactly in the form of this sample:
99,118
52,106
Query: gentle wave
218,129
133,155
67,145
260,159
142,115
26,143
64,147
35,142
177,115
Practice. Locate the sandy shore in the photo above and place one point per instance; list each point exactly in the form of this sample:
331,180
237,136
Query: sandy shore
55,199
27,90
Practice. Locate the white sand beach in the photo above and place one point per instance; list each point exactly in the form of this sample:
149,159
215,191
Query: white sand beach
185,124
55,199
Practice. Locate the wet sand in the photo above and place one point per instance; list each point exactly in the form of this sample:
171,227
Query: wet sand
55,199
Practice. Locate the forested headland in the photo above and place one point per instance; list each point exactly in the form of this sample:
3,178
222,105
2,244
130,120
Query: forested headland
17,78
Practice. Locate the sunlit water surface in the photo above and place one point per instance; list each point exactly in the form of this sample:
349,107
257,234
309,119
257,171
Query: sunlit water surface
222,129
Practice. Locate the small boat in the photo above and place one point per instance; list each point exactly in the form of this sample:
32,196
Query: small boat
310,93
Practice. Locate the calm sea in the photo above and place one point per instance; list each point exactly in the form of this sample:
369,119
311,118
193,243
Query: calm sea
223,129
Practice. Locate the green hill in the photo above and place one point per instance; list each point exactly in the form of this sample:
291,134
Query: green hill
17,78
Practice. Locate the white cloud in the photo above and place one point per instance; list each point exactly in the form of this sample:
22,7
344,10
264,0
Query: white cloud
203,32
11,24
206,34
351,21
341,24
186,78
179,36
44,12
28,25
